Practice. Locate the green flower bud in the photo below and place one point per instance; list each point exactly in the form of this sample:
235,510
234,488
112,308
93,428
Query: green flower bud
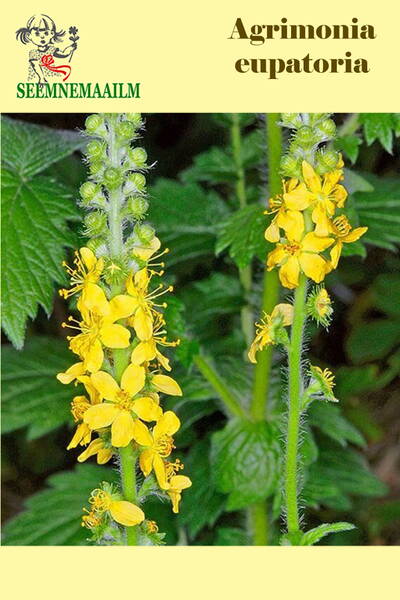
291,166
305,136
112,178
135,119
95,224
328,128
98,245
327,161
125,130
137,207
317,117
145,233
136,183
88,190
138,157
96,150
291,120
96,167
94,124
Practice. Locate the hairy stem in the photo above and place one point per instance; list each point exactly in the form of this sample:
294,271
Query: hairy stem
220,387
128,458
259,523
295,392
245,274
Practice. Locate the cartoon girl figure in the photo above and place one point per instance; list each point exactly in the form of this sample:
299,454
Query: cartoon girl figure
41,31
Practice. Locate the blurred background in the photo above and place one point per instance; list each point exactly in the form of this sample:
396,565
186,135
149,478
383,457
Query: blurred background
362,346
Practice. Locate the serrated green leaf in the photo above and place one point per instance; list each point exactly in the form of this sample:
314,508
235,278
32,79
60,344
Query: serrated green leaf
36,210
32,397
204,504
53,516
379,126
245,458
312,537
349,144
386,289
186,218
329,420
243,234
29,149
379,210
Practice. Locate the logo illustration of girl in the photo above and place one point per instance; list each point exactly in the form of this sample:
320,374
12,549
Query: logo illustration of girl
41,31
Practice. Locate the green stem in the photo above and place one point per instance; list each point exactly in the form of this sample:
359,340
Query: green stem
128,479
219,386
262,371
245,274
295,392
114,208
259,523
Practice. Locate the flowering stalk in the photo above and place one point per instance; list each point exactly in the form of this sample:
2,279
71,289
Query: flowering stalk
120,332
308,228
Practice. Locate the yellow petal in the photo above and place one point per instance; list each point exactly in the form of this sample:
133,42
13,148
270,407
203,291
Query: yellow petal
147,409
145,252
72,373
286,311
141,279
292,221
92,449
314,243
122,306
276,256
146,461
167,385
94,395
81,436
106,385
141,434
115,336
252,352
143,352
100,415
163,360
95,299
122,429
335,254
321,220
143,324
179,482
289,273
298,199
94,358
133,378
312,180
126,513
161,474
354,235
104,455
168,423
88,258
272,232
314,266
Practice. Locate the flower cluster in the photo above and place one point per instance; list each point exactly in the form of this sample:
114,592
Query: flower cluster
120,330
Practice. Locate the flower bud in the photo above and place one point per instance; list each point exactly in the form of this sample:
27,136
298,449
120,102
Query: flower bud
125,130
96,150
315,118
88,190
328,128
96,167
94,124
291,120
138,157
291,166
137,207
145,233
135,119
326,161
98,245
305,136
112,178
95,224
136,183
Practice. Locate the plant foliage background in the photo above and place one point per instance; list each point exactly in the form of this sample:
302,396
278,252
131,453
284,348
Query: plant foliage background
350,451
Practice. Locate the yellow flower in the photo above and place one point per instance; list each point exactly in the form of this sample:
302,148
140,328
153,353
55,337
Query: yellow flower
79,406
84,277
300,255
146,251
319,306
151,527
143,312
98,329
122,412
344,234
291,221
322,194
166,385
282,313
147,350
121,511
177,483
160,448
98,446
323,381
